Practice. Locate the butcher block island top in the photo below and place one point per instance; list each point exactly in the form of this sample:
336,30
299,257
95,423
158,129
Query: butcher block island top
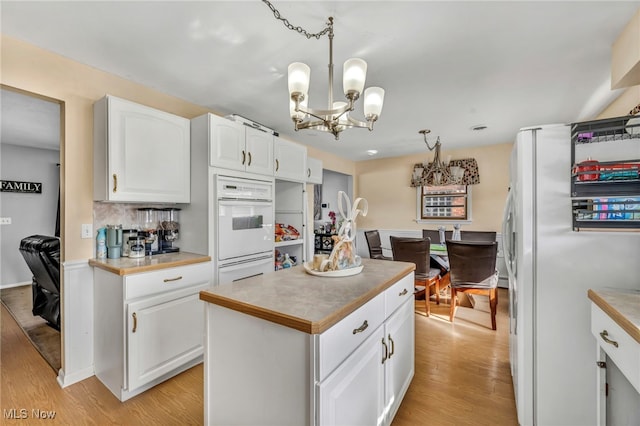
304,302
125,265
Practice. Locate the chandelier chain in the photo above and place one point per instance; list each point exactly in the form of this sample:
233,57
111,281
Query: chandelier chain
298,29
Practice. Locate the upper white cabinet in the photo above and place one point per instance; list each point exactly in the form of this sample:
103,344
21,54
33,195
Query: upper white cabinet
232,145
290,160
314,170
140,154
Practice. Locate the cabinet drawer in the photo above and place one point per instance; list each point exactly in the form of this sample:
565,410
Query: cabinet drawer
627,354
397,294
149,283
339,341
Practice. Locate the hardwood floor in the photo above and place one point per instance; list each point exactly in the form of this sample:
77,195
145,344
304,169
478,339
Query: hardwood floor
462,378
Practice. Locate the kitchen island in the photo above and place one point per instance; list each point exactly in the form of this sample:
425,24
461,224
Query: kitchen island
292,348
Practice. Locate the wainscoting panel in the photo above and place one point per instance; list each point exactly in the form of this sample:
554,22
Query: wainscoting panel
77,322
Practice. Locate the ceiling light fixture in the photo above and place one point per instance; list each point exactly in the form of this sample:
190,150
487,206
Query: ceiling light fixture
372,151
437,172
336,117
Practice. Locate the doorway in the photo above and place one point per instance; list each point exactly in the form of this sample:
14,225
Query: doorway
30,145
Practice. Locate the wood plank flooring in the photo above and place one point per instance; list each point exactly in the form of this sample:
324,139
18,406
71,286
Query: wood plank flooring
462,378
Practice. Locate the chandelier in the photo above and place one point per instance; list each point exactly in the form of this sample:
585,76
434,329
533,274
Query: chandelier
438,172
336,117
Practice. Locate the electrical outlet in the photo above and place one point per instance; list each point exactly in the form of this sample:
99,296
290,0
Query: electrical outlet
87,230
5,221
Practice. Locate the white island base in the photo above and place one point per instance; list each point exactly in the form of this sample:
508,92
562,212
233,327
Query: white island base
343,355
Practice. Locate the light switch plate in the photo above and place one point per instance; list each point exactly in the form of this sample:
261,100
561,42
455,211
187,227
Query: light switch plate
87,230
5,221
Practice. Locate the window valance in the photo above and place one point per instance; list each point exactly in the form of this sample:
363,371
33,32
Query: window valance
469,177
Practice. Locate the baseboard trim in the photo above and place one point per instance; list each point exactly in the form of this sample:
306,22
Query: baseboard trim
5,286
78,376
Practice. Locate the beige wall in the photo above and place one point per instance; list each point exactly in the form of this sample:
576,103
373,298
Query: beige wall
385,183
623,104
77,86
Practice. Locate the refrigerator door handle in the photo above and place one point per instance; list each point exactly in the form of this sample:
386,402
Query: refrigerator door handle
506,233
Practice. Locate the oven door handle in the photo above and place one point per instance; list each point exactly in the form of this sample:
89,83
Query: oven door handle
242,202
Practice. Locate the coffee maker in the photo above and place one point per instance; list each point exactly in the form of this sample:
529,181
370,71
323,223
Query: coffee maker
168,230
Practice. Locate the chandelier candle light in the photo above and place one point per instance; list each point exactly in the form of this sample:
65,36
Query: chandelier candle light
336,117
437,172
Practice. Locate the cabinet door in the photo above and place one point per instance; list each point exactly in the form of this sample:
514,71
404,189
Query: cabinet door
399,333
314,170
354,393
163,333
226,143
290,160
259,151
148,154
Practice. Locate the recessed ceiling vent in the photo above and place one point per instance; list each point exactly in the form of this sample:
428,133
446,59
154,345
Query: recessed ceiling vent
478,127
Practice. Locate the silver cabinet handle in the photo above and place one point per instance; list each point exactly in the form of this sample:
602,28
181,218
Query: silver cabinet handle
403,292
393,347
604,334
362,328
277,164
308,172
249,163
115,182
168,280
135,322
386,351
244,157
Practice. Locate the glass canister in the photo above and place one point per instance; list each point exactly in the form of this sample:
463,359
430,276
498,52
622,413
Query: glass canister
170,223
136,246
148,221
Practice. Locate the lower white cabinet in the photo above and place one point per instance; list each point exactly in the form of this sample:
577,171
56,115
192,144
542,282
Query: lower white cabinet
354,373
367,388
148,326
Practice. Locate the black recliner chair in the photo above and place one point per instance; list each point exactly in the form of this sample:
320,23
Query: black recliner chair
42,254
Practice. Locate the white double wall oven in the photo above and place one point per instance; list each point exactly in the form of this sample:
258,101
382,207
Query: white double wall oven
244,228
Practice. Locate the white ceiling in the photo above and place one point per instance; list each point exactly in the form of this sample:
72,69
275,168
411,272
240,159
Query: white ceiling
446,66
29,121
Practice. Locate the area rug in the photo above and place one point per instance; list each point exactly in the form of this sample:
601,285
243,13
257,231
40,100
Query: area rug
45,339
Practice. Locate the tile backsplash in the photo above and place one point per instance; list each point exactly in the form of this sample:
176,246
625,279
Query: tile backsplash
125,214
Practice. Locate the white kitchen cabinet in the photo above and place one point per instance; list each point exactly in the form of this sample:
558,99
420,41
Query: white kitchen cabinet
314,170
369,385
140,154
290,160
234,146
616,346
148,326
355,393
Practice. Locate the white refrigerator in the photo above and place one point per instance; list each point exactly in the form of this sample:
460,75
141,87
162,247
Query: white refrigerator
551,267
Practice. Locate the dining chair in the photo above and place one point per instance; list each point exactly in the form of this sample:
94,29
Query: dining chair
416,250
478,235
434,234
472,269
375,245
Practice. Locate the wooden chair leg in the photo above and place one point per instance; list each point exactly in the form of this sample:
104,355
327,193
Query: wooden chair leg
493,303
426,302
452,309
437,291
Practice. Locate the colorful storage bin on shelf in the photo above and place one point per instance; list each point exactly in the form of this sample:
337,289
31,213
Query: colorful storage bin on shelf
617,208
619,171
286,232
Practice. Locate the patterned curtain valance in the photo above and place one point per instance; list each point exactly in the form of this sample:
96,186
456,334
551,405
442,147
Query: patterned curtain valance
470,176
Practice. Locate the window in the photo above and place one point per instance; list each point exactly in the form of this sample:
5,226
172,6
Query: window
450,202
